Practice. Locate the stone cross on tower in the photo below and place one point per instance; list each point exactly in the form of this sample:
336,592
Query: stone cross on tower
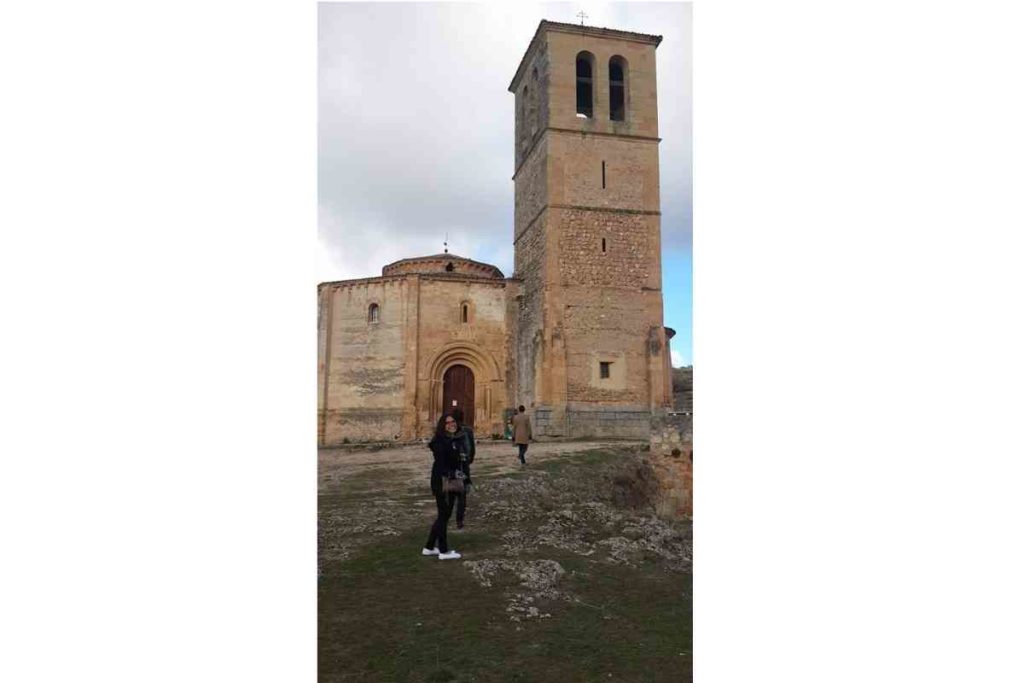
582,15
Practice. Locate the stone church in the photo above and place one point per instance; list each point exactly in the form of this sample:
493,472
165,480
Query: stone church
576,333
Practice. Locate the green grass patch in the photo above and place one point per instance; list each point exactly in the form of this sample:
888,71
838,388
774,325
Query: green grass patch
392,614
387,613
589,461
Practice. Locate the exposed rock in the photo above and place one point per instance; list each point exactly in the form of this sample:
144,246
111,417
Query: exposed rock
537,579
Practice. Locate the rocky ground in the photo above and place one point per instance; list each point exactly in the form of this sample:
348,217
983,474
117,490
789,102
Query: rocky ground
562,560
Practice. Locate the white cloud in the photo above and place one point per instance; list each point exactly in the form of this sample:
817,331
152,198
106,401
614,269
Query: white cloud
416,126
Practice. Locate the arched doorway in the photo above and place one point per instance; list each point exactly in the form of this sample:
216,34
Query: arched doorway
485,384
459,391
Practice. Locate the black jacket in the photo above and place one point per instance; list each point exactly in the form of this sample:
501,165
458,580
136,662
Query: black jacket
470,451
447,452
470,444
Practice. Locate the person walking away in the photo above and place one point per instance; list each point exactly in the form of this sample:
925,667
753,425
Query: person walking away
467,456
523,433
447,450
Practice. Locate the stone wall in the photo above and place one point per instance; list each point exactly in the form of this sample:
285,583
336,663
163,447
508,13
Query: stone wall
530,259
607,325
620,422
622,261
587,421
530,190
641,83
364,364
382,381
630,172
479,343
671,457
587,238
513,295
442,264
532,103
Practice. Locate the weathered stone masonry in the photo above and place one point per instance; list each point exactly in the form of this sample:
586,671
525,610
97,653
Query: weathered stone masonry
576,334
592,280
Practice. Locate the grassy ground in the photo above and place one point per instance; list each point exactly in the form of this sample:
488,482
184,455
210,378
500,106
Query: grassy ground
565,576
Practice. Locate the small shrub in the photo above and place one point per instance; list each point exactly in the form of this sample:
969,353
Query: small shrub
634,486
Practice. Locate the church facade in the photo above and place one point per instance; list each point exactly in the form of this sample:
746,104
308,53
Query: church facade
576,333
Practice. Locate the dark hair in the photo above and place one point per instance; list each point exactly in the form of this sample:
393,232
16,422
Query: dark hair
440,433
459,416
522,409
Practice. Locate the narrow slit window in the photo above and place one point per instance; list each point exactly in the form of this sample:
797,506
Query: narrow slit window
584,85
604,248
602,176
465,313
606,370
617,88
373,315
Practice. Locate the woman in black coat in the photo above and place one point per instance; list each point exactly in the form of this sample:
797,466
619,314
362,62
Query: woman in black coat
447,446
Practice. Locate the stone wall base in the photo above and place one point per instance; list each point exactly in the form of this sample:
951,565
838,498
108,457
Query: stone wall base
671,457
580,422
361,425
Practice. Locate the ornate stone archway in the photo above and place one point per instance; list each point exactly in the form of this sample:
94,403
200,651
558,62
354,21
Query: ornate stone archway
490,385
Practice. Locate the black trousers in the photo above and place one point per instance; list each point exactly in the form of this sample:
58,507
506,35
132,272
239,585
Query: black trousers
522,452
460,507
460,498
438,537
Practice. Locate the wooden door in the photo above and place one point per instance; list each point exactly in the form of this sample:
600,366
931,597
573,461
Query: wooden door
459,391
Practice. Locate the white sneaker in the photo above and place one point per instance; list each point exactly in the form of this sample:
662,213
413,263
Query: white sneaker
431,551
450,555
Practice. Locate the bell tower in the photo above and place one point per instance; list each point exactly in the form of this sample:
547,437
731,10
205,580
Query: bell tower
591,351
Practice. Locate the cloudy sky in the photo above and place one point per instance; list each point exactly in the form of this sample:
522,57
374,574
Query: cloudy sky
416,133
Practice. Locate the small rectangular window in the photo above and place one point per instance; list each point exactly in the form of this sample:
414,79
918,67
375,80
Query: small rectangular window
604,247
606,370
602,175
